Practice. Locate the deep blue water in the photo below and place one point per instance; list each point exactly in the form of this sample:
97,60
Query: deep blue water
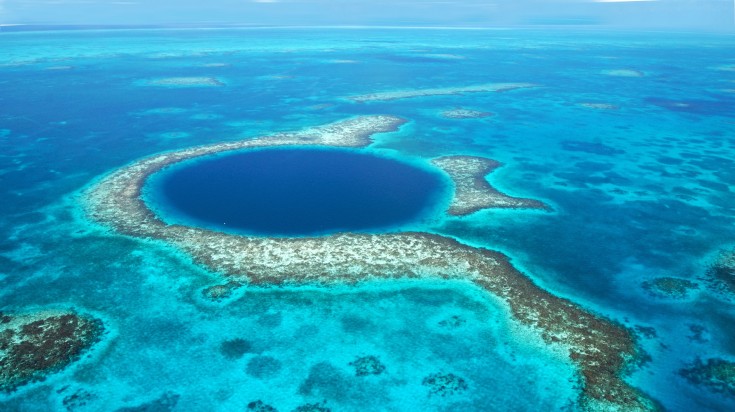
298,191
638,192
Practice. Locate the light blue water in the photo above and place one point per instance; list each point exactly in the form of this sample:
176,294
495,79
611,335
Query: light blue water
639,192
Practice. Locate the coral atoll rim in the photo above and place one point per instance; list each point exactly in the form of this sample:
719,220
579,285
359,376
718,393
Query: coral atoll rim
600,349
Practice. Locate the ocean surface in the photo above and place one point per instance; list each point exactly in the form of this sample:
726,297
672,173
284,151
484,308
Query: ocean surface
629,137
296,192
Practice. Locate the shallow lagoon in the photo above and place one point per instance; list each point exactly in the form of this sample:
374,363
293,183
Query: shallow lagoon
638,170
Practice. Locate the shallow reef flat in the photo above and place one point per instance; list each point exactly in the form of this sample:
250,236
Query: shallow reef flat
601,350
721,274
600,106
473,192
465,114
623,73
407,94
35,345
185,82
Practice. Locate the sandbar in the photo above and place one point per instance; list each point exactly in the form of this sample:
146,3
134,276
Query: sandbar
185,82
623,73
407,94
465,114
599,106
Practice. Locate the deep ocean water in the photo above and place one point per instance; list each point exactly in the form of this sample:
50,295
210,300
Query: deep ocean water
296,192
628,136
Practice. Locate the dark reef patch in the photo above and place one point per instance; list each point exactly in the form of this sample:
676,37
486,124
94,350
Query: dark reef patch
669,287
260,406
452,322
721,273
262,367
367,365
219,292
590,147
313,407
352,323
235,348
715,374
703,107
444,384
166,403
78,399
35,345
326,380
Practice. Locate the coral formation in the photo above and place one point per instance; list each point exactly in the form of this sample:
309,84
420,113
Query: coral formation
367,365
444,384
722,272
407,94
716,374
623,73
37,344
465,114
312,407
669,287
78,399
262,367
166,402
599,106
235,348
472,192
260,406
452,322
602,350
219,292
185,82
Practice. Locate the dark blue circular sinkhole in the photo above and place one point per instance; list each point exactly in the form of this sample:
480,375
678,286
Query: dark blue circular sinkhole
295,192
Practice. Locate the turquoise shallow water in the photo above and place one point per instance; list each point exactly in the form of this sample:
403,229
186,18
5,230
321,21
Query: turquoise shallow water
638,192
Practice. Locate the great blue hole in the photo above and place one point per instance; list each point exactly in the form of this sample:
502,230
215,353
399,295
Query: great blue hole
295,192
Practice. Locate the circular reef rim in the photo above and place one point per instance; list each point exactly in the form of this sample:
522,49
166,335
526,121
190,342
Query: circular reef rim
602,350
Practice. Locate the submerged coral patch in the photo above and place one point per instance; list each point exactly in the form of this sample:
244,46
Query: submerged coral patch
669,287
367,365
165,403
590,147
465,114
444,384
715,374
601,350
599,106
260,406
219,292
185,82
696,106
235,348
721,273
313,407
623,73
407,94
35,345
263,367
